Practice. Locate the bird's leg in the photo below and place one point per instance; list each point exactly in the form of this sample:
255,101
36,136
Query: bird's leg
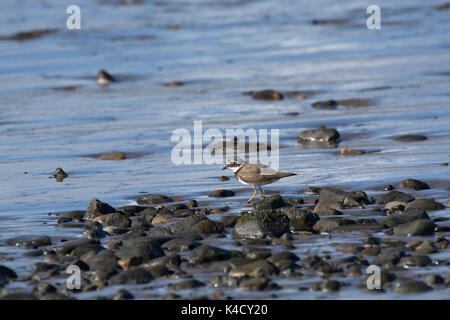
249,200
260,192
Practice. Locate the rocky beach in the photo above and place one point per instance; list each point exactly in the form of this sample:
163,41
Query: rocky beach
86,119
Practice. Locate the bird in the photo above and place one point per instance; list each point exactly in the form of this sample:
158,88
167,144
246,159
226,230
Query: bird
254,174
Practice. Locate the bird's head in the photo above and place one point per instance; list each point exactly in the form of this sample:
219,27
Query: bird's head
234,164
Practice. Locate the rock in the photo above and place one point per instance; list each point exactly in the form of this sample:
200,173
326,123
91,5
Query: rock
414,262
394,195
273,202
132,210
114,155
172,261
224,178
426,247
75,215
206,254
387,259
425,204
328,285
43,288
226,266
130,262
331,224
327,105
103,264
229,221
254,284
441,243
186,284
192,204
187,223
410,286
413,184
29,241
341,197
405,217
300,219
326,209
122,294
388,187
283,255
180,245
142,247
220,193
207,226
7,273
113,220
351,152
256,253
78,247
153,199
395,206
416,228
97,208
267,95
134,275
223,282
319,135
434,280
18,296
162,218
28,35
59,174
411,138
259,224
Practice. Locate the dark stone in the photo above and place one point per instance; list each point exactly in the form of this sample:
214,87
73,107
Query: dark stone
283,255
413,184
186,284
434,280
7,273
133,275
180,244
416,228
223,282
331,224
207,226
59,174
260,224
97,208
273,202
153,199
405,217
354,198
410,286
254,284
267,95
103,265
226,266
206,254
18,296
113,220
132,210
43,288
220,193
122,294
328,105
29,242
300,219
229,221
425,204
411,138
142,247
319,135
394,196
192,204
256,253
387,259
328,285
187,223
415,261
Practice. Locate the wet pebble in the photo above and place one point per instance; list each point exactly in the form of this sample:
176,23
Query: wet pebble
413,184
425,204
153,199
259,224
60,174
319,135
221,193
416,228
97,208
410,286
267,95
207,254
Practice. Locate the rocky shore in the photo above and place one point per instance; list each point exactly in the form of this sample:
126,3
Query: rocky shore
175,246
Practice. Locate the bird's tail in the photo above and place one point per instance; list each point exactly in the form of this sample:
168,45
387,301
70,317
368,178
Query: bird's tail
285,174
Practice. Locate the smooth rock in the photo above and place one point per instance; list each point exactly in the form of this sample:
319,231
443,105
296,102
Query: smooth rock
394,195
259,224
413,184
206,254
97,208
425,204
319,135
416,228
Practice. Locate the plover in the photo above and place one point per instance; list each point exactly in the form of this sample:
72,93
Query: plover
254,174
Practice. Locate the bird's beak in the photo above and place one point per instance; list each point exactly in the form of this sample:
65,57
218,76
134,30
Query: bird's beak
225,167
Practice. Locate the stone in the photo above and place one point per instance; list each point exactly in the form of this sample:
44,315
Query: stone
60,174
113,155
411,138
267,95
207,226
220,193
260,224
153,199
319,135
133,275
341,197
413,184
416,228
207,254
29,241
403,286
331,224
97,208
142,247
394,195
273,202
425,204
300,219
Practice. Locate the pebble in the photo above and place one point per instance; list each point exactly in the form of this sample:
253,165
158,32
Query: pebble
59,174
319,135
413,184
259,224
416,228
267,95
425,204
220,193
153,199
402,286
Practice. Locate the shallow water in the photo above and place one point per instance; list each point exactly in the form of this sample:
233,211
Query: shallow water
220,50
